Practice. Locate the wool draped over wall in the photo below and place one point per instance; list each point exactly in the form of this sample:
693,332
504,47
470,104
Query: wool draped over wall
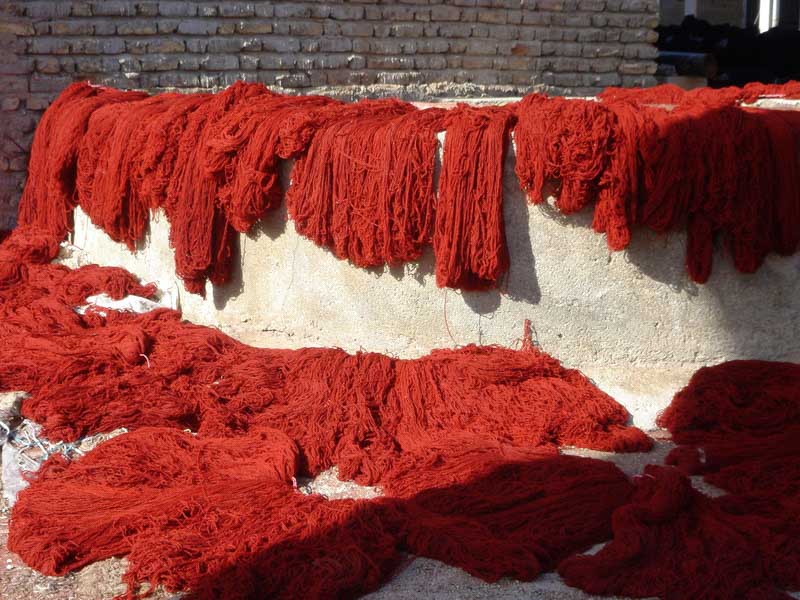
364,178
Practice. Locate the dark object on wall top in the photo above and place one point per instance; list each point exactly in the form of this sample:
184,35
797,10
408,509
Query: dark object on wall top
741,55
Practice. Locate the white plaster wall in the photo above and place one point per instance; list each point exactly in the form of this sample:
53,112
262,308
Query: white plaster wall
632,320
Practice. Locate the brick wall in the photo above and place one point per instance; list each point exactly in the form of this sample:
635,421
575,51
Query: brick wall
500,46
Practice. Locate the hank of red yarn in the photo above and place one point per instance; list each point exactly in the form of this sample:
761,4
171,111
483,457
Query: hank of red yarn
365,186
470,236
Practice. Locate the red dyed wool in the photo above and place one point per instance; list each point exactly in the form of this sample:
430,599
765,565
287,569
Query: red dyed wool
243,150
712,187
365,186
129,370
464,443
564,142
671,94
156,158
742,396
360,412
587,153
50,194
744,416
672,542
497,510
470,237
218,516
738,424
108,181
200,233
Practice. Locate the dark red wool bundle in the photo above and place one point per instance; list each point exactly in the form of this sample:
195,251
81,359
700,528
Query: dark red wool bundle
364,187
470,236
463,442
664,159
674,543
548,505
739,426
562,142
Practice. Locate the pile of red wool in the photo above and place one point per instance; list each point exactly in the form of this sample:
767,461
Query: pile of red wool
463,443
738,425
200,494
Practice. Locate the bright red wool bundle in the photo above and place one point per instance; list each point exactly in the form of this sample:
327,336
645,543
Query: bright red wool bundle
200,233
470,235
244,150
50,190
125,370
364,187
463,443
108,180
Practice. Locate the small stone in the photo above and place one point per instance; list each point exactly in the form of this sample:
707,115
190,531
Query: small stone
10,404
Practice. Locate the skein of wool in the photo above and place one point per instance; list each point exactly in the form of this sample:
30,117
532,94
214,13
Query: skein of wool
588,152
745,418
200,233
107,180
365,186
672,542
469,239
50,195
243,150
619,199
693,173
738,424
568,141
155,160
741,396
